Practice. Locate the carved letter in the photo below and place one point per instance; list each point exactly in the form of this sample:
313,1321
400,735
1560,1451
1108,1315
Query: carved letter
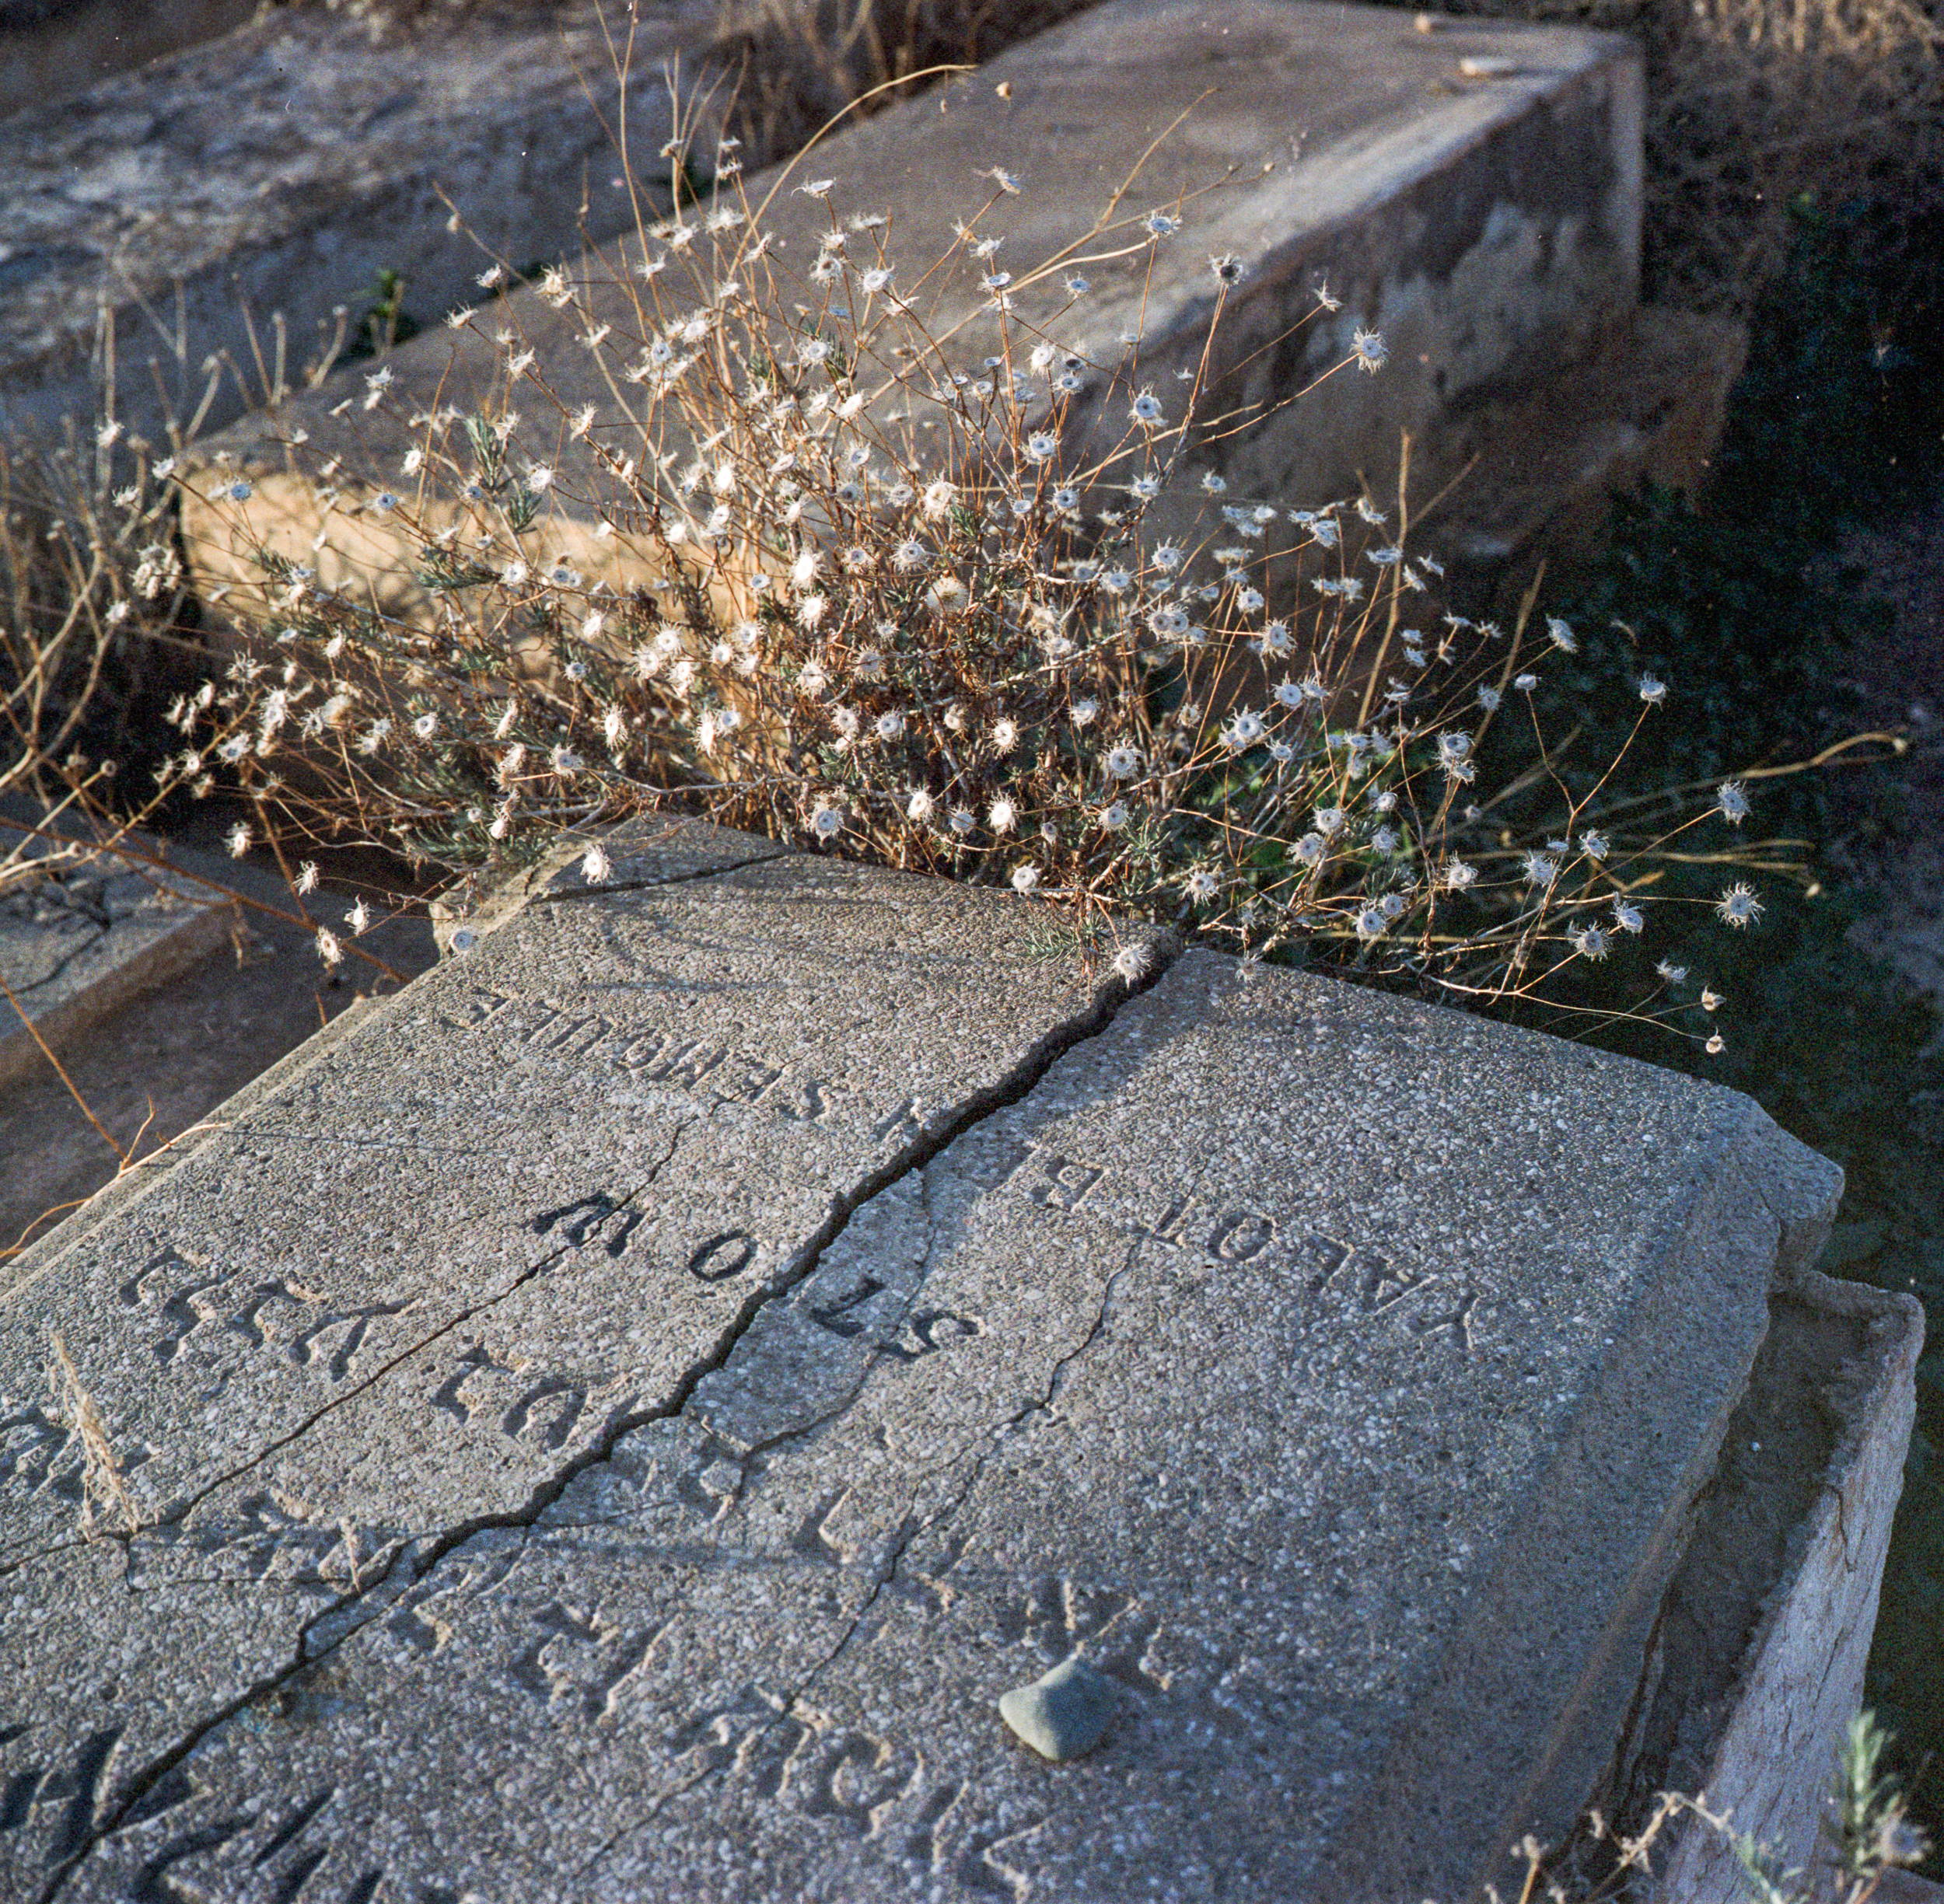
723,1256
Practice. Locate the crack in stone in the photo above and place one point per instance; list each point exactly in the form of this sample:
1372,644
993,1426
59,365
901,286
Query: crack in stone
422,1560
176,1512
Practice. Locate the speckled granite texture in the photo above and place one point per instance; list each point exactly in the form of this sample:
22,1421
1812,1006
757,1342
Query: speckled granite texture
616,1421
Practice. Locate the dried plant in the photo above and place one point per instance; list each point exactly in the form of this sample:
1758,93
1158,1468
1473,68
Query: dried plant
858,594
102,1483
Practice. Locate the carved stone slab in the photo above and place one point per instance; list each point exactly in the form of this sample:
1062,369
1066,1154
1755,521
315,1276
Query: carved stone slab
1334,1375
434,1271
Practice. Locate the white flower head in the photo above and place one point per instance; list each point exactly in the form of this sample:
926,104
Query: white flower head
1738,906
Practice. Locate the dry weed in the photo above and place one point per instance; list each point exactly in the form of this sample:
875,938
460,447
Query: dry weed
102,1483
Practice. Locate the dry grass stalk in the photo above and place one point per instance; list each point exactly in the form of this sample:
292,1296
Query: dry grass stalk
102,1483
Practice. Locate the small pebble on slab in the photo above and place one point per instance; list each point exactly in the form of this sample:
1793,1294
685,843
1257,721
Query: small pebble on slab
1063,1714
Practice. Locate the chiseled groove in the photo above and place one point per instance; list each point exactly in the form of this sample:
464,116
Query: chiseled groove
1010,1090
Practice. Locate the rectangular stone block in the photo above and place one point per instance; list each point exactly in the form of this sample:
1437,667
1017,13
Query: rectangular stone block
1471,193
276,172
1335,1376
80,940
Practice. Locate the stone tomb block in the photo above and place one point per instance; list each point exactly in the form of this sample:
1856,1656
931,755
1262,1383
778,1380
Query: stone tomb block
242,196
1472,193
89,938
434,1270
1334,1375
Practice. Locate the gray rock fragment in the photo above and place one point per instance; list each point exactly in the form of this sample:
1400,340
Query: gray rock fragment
1063,1714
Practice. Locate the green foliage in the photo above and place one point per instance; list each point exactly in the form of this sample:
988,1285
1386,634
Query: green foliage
386,323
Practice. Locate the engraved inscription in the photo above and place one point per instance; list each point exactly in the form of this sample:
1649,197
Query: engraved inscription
305,1851
1353,1275
39,1454
63,1800
712,1069
196,1305
265,1538
513,1398
917,1331
582,1660
723,1256
587,1217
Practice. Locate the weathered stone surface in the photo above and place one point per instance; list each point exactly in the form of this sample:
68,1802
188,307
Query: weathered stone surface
52,49
427,1274
1335,1375
1487,226
280,169
1845,1383
83,939
163,1059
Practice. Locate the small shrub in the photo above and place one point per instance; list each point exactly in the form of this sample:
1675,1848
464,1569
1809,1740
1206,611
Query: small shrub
927,613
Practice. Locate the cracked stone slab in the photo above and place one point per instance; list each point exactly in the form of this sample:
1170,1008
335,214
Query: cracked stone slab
424,1276
1335,1375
